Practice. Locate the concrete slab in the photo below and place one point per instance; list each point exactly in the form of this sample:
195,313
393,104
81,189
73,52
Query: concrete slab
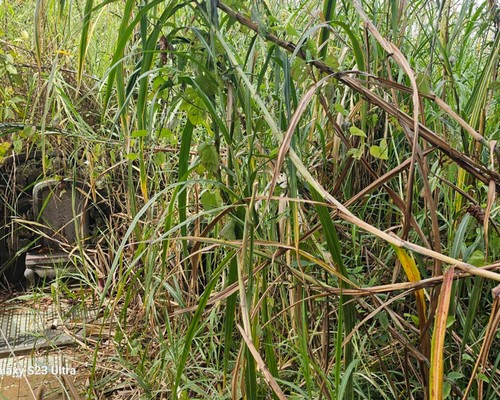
32,349
23,329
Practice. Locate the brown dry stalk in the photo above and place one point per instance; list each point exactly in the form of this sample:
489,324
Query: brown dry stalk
489,337
345,214
415,152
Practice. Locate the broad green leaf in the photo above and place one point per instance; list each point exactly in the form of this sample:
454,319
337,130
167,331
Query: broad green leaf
455,376
140,133
194,107
424,82
209,157
11,69
340,109
483,377
383,319
477,259
17,142
372,120
355,131
228,232
380,151
29,130
446,390
165,133
355,153
291,30
413,317
209,200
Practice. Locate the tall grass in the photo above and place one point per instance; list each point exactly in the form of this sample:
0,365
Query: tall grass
258,159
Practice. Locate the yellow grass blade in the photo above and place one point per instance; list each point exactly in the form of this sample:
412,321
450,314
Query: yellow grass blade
413,275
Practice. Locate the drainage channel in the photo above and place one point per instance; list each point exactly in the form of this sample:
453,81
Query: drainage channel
33,350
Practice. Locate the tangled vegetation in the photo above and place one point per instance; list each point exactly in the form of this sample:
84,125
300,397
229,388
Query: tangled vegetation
301,195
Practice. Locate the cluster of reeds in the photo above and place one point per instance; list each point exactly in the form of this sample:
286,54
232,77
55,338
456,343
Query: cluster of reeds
303,197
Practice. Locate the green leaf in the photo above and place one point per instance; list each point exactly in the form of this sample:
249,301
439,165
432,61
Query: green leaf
29,130
140,133
355,153
355,131
424,82
132,156
291,30
477,259
17,142
414,318
455,376
228,232
165,133
380,151
209,157
11,69
332,61
194,107
340,109
375,151
159,158
208,84
384,321
372,120
446,390
209,200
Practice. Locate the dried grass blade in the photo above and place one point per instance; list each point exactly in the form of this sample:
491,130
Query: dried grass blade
437,346
345,214
398,56
489,337
477,170
490,200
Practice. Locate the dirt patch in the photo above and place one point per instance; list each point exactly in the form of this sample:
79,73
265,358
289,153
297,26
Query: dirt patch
48,387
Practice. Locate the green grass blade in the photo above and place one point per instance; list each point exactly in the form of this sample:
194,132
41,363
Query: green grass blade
328,13
348,309
184,157
193,326
84,39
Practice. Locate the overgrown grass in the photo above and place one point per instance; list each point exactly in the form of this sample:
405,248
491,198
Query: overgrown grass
258,161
